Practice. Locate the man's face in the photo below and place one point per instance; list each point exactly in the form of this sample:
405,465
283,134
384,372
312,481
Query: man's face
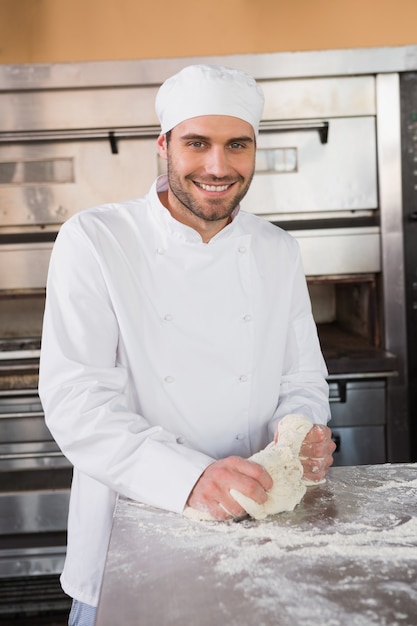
211,162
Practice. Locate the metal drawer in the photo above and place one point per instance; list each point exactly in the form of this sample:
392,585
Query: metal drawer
334,250
359,445
357,403
358,421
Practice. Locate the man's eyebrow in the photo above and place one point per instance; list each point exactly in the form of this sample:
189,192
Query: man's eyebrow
243,139
196,137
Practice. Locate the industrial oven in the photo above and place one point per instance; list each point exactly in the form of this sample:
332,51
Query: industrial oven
336,156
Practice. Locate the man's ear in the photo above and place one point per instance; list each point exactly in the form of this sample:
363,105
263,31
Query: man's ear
161,142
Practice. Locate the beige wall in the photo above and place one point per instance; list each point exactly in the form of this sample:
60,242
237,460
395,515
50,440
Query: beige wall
44,31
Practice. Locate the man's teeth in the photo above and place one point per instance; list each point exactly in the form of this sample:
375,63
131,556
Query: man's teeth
214,187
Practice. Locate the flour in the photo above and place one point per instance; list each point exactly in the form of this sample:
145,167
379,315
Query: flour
277,564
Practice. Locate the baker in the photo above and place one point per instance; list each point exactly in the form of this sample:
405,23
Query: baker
177,333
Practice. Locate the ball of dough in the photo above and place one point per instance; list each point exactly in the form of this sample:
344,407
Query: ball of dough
281,460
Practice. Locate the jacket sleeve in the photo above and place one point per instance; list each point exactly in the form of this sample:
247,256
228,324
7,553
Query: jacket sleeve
84,389
304,388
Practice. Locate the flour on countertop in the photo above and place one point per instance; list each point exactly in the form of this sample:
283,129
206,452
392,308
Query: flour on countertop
340,542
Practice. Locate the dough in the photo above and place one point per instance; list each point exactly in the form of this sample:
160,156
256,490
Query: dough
282,462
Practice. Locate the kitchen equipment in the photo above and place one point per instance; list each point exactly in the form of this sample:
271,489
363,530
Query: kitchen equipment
34,493
328,165
408,94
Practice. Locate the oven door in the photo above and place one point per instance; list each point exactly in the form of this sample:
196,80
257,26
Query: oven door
43,183
298,175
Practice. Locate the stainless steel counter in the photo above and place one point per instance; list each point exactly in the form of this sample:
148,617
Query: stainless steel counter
347,556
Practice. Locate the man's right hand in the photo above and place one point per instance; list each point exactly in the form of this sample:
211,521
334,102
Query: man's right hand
211,493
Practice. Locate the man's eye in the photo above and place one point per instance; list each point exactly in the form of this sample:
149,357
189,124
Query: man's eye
235,145
196,144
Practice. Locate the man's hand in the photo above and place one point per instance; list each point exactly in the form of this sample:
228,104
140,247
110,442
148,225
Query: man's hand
211,493
316,454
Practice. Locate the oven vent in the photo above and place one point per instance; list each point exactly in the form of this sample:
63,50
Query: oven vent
33,600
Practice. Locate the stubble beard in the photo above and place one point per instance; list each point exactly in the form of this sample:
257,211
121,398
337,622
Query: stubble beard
218,208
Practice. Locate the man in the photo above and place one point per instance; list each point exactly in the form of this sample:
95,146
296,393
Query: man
177,333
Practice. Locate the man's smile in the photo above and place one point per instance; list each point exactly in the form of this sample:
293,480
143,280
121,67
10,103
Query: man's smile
217,188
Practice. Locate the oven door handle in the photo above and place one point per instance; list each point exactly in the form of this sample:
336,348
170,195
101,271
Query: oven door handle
20,456
148,132
338,392
20,414
275,126
145,132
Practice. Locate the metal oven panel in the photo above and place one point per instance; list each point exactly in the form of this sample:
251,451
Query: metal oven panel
297,173
357,403
26,442
88,108
24,266
42,184
335,250
408,93
358,410
359,445
46,183
308,98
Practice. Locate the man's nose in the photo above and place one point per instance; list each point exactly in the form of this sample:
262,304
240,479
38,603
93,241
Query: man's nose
217,163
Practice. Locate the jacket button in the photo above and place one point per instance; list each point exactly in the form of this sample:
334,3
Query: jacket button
180,440
243,378
168,317
242,249
169,379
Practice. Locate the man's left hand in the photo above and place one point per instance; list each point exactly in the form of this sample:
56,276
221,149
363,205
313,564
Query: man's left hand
316,453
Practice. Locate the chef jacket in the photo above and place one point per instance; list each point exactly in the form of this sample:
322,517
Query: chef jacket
161,353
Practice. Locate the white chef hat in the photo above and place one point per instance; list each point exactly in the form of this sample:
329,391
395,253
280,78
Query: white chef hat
209,90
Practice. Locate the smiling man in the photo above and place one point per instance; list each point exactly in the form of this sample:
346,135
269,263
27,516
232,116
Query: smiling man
178,333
